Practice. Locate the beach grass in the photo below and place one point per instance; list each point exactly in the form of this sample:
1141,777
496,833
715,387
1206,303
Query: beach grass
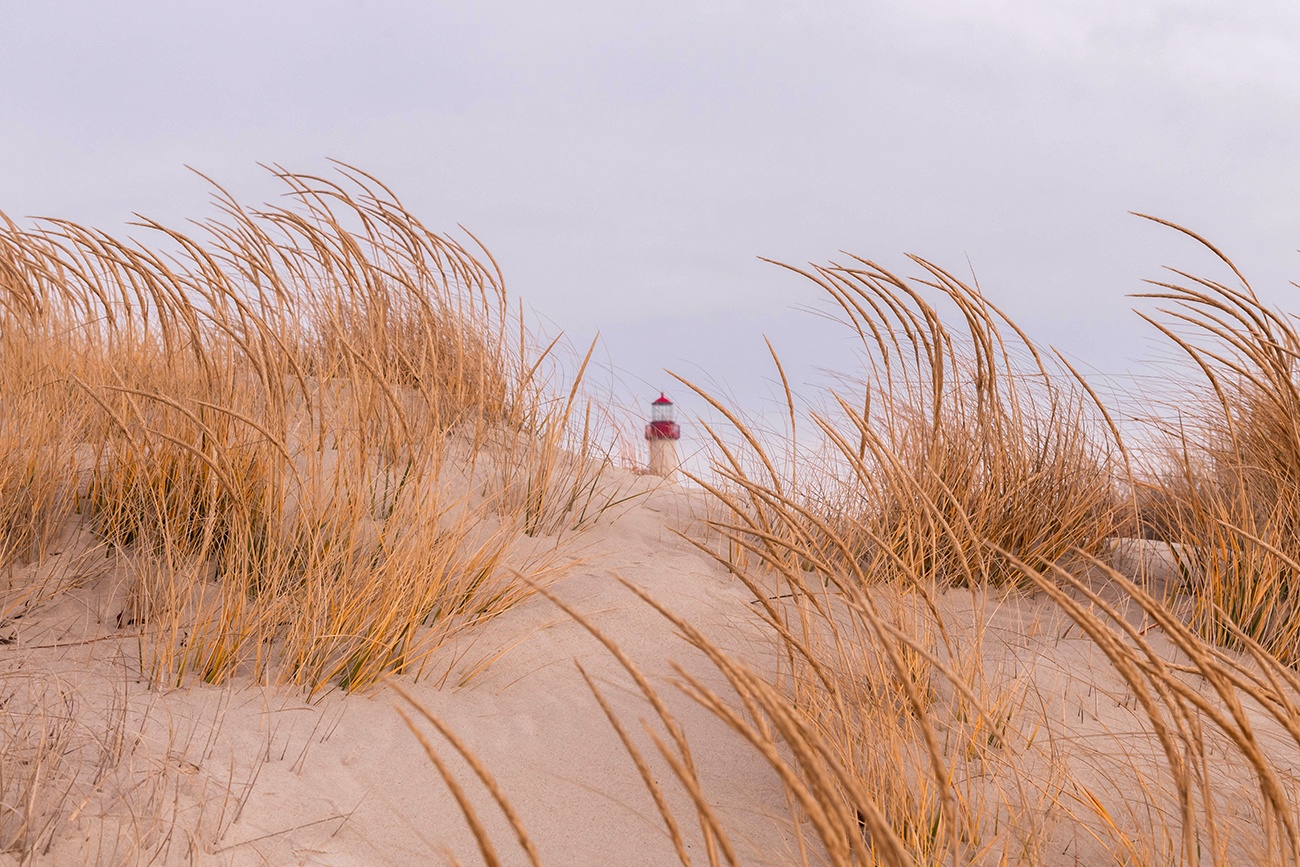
317,432
320,445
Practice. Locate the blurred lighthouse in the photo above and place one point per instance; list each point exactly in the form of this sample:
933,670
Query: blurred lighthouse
663,433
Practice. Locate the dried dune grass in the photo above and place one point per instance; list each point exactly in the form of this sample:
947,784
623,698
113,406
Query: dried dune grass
91,777
966,471
973,473
948,442
38,433
299,425
1227,489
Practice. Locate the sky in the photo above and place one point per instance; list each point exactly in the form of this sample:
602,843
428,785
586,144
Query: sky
629,164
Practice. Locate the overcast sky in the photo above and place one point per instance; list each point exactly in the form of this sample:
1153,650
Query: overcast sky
628,163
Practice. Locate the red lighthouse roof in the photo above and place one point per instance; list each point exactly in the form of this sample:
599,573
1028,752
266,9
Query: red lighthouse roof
662,401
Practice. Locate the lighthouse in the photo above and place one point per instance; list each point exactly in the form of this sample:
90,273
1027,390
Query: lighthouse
663,433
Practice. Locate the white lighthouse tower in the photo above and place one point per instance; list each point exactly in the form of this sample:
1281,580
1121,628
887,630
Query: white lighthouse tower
663,433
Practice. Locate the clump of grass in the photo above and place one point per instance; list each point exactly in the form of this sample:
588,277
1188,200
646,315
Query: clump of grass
1228,489
38,427
299,425
952,438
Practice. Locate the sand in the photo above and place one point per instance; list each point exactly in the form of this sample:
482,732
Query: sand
261,774
254,774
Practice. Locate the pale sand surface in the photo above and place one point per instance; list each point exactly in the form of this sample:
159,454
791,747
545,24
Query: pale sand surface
340,779
251,774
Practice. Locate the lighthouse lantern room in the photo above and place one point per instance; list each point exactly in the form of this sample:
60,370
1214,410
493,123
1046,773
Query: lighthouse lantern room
662,433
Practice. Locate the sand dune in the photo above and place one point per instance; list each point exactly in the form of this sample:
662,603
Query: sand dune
250,773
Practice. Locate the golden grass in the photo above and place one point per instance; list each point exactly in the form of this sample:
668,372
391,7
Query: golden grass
1228,488
963,469
947,442
301,426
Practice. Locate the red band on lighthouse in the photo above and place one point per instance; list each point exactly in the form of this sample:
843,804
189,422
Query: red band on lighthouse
662,433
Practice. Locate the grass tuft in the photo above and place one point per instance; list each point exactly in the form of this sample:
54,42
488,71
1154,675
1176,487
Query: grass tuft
300,427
